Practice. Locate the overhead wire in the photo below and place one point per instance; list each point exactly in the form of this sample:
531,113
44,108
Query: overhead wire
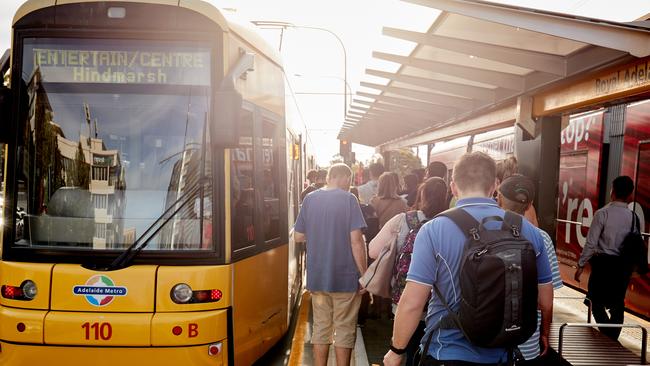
302,118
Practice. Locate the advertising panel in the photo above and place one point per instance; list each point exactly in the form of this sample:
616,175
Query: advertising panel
636,164
579,178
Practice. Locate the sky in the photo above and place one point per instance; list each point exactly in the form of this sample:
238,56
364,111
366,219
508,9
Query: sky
314,59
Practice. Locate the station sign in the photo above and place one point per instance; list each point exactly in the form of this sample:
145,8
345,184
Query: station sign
612,83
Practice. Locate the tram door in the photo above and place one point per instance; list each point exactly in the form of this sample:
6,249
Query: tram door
639,288
636,164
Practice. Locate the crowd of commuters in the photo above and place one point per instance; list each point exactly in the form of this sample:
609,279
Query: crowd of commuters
418,245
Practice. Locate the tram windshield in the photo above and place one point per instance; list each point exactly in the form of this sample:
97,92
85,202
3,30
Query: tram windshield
114,136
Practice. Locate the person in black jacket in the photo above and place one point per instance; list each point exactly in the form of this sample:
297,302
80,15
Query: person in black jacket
317,183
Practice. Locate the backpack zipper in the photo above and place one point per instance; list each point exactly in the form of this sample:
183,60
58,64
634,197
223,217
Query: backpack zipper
488,246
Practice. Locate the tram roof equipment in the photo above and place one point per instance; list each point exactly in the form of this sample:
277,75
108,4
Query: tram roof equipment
475,62
229,22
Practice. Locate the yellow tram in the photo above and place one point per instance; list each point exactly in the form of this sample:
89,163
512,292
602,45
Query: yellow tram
150,183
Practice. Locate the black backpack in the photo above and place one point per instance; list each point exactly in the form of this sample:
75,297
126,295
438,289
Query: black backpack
498,283
372,221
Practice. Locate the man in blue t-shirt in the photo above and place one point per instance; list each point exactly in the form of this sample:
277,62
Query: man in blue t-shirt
437,258
330,221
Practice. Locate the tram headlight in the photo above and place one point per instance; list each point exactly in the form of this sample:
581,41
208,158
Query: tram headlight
29,289
181,293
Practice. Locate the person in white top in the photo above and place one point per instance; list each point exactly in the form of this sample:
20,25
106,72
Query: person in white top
431,200
369,190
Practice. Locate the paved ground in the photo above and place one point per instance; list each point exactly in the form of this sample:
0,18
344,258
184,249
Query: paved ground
377,333
574,311
296,348
374,335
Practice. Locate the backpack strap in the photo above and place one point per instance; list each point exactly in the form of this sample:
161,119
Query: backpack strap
635,218
512,222
412,219
636,224
470,228
449,321
466,222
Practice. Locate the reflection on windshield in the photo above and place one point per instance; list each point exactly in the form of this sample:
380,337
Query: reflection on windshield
99,163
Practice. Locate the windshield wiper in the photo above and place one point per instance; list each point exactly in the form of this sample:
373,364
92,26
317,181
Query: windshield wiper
124,259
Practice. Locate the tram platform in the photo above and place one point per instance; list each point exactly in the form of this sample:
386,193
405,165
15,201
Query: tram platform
373,336
568,308
297,350
301,348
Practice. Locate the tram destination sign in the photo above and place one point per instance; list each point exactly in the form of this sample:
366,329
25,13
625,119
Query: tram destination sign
141,65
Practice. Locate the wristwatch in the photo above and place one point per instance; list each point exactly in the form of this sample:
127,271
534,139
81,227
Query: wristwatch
397,351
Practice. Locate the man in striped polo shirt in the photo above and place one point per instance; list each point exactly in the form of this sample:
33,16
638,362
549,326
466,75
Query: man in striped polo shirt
516,194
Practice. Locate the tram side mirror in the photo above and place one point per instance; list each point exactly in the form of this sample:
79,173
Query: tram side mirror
228,103
5,113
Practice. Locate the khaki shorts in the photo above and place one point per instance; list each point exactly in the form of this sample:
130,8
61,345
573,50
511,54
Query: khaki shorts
335,316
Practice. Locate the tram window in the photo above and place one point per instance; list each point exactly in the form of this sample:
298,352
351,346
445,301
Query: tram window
272,181
103,155
294,178
574,190
242,186
642,186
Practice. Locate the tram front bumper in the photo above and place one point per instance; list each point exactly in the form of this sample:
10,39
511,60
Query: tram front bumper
41,337
30,355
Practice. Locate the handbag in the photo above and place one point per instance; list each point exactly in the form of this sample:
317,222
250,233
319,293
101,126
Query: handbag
377,278
633,249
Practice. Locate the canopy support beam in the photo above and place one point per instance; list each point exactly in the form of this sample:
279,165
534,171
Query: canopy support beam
496,78
604,34
540,61
433,98
475,92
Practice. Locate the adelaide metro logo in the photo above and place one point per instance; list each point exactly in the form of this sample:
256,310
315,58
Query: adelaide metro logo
99,290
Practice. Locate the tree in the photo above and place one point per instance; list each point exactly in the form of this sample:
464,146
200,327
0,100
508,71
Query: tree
403,161
338,158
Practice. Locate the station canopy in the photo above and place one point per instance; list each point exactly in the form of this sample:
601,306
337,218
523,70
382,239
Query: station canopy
476,57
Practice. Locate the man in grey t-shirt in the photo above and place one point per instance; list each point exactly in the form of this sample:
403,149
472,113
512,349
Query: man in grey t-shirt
330,220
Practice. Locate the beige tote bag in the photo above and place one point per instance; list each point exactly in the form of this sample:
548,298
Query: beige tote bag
379,274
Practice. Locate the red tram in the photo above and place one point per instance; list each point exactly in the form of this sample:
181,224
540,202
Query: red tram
595,147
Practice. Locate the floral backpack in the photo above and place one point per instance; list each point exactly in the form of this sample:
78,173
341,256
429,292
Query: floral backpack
403,258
